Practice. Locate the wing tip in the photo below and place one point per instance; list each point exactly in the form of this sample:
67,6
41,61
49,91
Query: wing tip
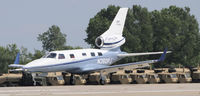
162,57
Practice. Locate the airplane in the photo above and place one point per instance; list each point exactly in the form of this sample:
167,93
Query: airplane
85,61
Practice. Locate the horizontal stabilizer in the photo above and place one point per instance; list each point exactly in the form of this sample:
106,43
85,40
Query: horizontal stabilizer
16,70
16,66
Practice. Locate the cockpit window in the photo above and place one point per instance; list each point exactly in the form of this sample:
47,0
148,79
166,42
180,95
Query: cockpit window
61,56
51,55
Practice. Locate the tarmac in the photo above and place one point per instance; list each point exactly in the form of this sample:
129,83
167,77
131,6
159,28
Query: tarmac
190,89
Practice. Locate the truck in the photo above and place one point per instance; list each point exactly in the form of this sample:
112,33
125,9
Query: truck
10,79
183,75
139,76
50,78
120,77
79,79
168,77
94,78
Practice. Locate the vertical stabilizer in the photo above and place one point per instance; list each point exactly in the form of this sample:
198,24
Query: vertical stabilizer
17,59
117,26
112,38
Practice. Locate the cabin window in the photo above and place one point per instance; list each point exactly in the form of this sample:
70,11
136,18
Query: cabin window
100,54
92,54
84,54
71,55
61,56
51,55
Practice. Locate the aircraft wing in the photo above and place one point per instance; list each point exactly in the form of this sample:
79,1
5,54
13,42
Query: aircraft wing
114,68
128,66
140,54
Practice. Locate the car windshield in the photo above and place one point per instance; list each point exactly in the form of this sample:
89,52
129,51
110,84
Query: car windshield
173,76
143,76
187,75
51,55
156,76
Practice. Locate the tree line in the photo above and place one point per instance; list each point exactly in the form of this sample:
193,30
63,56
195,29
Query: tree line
145,31
52,39
174,28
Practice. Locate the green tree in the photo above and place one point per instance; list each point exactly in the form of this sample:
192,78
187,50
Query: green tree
25,56
7,56
53,39
177,29
100,23
37,54
171,27
137,31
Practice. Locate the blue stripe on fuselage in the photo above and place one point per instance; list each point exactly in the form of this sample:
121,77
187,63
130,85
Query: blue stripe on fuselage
113,42
64,63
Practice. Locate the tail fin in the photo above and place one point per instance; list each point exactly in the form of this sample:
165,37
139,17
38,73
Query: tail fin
17,58
16,63
113,38
162,57
117,26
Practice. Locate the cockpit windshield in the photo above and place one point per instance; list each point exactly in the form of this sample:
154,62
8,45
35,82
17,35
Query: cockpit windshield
50,55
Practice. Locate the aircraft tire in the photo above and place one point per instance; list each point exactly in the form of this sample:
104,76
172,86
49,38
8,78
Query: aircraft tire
102,82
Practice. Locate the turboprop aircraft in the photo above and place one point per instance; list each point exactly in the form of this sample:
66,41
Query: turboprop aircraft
84,61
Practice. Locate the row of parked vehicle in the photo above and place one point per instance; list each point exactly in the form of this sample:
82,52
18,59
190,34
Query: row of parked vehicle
135,76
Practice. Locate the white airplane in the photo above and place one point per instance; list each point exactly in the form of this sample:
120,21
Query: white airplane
84,61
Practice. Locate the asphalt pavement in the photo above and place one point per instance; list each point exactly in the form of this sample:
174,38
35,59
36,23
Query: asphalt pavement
190,89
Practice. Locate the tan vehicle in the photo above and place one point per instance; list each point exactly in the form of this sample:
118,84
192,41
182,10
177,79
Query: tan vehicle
139,76
79,80
10,79
51,78
184,77
168,77
120,77
182,70
94,78
55,78
153,78
196,75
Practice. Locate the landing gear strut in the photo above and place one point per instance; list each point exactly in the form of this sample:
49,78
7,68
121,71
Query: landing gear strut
33,78
102,80
72,79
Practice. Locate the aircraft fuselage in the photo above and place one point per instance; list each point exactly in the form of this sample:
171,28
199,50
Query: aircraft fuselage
72,60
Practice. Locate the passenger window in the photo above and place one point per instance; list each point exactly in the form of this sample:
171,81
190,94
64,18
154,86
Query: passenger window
71,55
61,56
92,54
100,54
52,55
84,54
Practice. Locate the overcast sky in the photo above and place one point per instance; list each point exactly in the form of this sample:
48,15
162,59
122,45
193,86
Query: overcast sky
22,20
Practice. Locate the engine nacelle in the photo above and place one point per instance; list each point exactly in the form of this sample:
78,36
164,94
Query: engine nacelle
109,42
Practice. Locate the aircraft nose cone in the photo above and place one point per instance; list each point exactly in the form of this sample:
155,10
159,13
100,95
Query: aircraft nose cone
37,64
